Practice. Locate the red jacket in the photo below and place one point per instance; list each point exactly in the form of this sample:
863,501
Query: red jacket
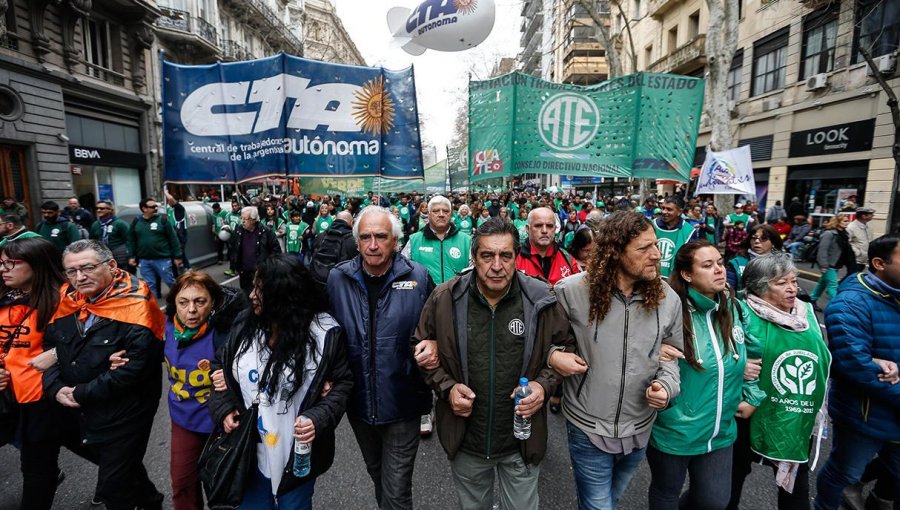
561,263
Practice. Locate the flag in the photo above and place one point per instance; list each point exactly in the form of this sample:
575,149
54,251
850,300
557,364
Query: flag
727,172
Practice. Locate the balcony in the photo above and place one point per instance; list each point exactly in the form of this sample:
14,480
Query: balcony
184,29
233,51
259,15
657,8
533,26
586,71
684,59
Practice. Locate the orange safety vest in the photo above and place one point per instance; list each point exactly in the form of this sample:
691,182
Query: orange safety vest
27,342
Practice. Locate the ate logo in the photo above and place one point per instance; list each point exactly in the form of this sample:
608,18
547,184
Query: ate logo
794,372
568,121
516,327
666,248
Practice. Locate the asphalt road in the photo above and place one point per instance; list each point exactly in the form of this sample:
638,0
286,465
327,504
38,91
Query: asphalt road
347,485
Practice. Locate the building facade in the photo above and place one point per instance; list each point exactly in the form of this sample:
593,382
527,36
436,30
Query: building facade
801,96
76,101
326,38
578,56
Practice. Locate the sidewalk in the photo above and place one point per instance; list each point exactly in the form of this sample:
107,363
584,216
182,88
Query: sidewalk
813,274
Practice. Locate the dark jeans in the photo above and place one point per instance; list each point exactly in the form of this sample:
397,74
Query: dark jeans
851,451
258,495
245,280
742,462
185,452
709,488
122,481
390,455
46,426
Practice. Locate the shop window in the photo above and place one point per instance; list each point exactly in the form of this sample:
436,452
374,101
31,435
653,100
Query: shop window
770,63
734,75
819,42
877,27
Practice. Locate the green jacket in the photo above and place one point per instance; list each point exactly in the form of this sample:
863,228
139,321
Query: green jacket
61,234
117,234
443,258
792,384
465,225
154,238
701,418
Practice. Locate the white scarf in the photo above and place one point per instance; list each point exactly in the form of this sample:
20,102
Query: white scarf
795,320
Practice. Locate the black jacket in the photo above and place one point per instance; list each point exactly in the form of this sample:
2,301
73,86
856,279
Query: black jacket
349,247
325,412
266,244
114,403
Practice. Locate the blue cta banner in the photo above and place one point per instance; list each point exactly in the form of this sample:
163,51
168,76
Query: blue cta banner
288,116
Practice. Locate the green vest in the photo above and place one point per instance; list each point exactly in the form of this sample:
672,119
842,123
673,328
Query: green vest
711,222
464,224
668,242
734,218
219,220
293,236
233,220
739,263
794,374
23,235
322,223
443,259
523,232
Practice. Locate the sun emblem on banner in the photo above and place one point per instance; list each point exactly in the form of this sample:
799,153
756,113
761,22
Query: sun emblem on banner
374,108
465,6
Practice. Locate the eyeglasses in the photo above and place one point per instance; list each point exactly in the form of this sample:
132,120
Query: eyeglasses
102,208
155,206
761,239
85,269
10,264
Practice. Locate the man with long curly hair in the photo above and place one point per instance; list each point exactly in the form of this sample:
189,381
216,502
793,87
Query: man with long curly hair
621,313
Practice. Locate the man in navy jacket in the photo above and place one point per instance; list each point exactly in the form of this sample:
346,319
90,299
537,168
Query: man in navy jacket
377,298
864,402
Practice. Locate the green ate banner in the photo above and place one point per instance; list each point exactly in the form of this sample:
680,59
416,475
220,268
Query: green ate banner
642,125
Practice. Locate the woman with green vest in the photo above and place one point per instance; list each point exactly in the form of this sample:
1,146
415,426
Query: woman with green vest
463,220
695,433
784,332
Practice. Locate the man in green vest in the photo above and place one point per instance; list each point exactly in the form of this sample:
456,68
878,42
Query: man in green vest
219,219
444,250
672,232
739,215
294,232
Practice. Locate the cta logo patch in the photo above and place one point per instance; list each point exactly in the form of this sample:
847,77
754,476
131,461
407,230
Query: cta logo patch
516,327
794,372
407,285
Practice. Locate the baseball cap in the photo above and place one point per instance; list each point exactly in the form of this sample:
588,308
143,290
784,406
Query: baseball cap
865,210
738,205
310,204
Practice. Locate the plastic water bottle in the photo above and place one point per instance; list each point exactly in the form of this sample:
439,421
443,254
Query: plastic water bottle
521,424
302,456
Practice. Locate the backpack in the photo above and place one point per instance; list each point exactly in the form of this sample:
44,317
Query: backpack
328,253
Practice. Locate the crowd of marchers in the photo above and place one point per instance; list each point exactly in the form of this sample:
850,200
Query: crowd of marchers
659,330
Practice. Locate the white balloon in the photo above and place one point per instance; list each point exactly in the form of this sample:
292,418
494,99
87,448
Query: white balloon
224,235
442,25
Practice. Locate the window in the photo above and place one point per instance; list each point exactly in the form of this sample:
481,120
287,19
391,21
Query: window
96,45
581,34
877,27
734,76
648,56
769,62
819,41
673,39
637,9
694,25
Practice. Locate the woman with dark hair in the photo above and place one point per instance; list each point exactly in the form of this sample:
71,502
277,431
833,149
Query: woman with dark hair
199,317
761,240
284,353
582,244
695,433
31,274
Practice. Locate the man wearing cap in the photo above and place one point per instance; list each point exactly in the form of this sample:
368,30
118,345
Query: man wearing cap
860,235
649,207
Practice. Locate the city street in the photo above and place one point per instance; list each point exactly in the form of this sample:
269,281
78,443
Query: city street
347,484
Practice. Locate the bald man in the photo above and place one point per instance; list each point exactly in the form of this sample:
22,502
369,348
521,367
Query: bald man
542,255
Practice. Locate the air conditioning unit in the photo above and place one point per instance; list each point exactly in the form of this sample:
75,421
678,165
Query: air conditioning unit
885,64
817,82
771,104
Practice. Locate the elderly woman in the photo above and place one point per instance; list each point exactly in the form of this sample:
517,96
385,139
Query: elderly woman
284,353
784,333
200,313
463,220
761,240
